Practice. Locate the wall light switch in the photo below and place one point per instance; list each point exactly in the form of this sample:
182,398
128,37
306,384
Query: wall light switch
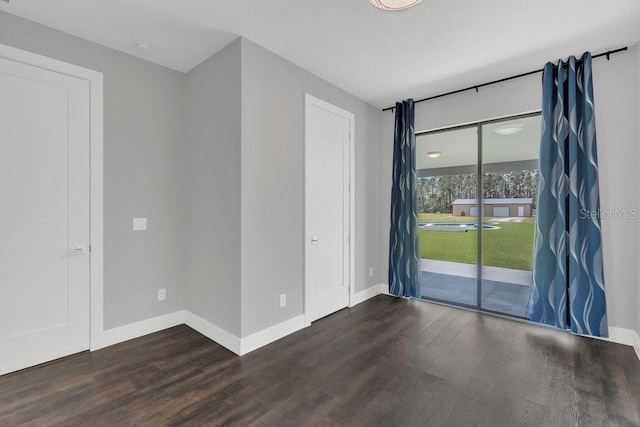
162,294
370,271
283,300
139,224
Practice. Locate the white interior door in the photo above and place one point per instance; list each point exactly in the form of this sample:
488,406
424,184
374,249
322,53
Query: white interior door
327,208
44,220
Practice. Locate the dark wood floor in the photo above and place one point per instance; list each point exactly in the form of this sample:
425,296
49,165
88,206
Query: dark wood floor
387,362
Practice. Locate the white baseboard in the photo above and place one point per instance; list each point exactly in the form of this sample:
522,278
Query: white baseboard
636,345
242,346
239,346
621,335
269,335
214,333
368,293
137,329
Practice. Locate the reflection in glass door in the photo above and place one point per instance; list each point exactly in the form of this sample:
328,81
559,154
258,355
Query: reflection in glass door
477,251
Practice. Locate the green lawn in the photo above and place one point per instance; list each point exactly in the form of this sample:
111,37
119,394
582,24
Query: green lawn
510,247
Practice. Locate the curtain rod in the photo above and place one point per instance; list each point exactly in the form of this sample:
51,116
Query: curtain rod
517,76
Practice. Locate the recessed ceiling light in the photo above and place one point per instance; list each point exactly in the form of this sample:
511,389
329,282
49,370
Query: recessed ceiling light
434,154
143,47
394,4
510,129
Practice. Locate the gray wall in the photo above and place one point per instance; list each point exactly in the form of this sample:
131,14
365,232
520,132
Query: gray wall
615,85
214,160
273,92
143,136
616,116
212,189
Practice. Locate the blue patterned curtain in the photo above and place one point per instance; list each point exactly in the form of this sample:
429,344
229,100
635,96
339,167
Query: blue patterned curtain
568,284
404,246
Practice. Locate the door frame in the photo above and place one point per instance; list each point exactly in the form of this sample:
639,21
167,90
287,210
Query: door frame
349,256
96,228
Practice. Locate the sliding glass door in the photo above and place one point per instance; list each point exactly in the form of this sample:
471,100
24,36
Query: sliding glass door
477,189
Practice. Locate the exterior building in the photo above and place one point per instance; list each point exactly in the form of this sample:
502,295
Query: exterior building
494,207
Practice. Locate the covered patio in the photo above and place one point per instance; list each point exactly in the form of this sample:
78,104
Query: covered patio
504,290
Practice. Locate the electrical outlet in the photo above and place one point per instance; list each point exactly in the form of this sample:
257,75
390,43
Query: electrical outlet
283,300
370,271
162,294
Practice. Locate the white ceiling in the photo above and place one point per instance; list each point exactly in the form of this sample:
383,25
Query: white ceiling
378,56
459,147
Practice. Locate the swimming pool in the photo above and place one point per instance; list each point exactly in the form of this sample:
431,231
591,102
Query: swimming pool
456,226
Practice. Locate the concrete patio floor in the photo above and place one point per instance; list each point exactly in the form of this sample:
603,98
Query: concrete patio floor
503,290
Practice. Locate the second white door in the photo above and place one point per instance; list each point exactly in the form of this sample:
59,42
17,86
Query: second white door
327,208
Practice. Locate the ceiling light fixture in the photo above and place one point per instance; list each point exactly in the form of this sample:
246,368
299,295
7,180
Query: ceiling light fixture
510,129
394,5
434,154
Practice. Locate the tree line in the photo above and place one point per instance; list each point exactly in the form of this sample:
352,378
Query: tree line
437,193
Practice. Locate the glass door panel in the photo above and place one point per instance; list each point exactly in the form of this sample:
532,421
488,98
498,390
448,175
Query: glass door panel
510,151
447,169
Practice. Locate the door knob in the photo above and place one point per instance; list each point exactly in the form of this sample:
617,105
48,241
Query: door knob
78,250
315,240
